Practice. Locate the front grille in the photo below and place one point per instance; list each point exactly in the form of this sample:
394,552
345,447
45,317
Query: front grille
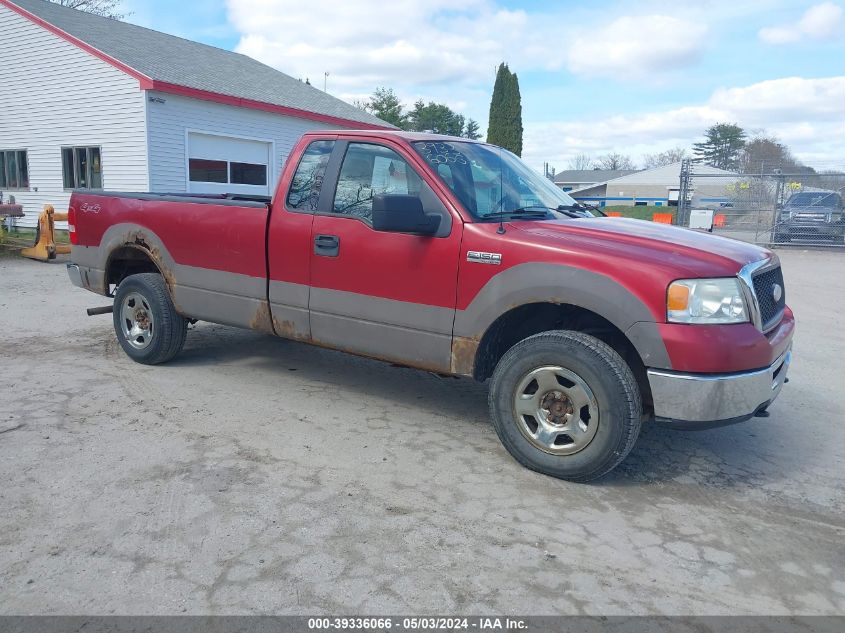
811,217
771,309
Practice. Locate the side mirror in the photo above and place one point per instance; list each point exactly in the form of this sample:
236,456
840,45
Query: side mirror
403,214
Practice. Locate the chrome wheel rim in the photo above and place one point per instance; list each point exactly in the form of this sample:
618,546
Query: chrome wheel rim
556,410
136,320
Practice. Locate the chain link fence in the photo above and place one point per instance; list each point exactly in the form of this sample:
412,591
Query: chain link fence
770,209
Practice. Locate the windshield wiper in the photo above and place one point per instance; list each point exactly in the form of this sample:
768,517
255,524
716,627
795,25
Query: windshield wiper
522,212
571,209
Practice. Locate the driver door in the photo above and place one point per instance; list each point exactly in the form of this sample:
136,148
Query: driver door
383,294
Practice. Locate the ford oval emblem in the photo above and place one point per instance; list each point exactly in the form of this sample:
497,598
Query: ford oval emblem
777,292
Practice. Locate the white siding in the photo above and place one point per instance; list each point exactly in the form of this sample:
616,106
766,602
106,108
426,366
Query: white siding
53,94
169,122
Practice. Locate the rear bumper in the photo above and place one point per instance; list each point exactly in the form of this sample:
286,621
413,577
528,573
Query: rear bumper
88,278
75,275
698,401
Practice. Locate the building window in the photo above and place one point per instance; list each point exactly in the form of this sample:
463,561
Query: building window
221,171
14,171
247,174
203,170
82,168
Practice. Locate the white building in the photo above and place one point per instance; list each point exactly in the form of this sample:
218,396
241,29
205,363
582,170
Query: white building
90,102
573,179
659,186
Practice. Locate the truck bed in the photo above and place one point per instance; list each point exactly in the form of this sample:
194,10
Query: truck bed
210,249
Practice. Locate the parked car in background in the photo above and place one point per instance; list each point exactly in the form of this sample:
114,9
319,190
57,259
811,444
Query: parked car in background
811,215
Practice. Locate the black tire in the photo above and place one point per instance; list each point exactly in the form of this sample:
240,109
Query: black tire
616,398
168,330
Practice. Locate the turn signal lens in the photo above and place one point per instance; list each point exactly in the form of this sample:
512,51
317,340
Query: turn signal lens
678,297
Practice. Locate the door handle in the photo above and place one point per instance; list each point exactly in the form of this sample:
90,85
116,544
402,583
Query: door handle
327,245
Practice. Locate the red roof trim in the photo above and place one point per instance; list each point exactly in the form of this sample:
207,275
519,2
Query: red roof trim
216,97
75,41
146,83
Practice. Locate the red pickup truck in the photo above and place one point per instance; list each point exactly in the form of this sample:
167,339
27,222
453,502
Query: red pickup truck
453,256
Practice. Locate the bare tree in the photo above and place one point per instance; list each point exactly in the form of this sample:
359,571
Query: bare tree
105,8
765,154
580,162
670,156
614,160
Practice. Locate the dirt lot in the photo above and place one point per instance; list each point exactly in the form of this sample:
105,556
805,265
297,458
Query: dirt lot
254,475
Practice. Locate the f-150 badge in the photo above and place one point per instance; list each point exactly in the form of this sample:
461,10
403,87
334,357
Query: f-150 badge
484,258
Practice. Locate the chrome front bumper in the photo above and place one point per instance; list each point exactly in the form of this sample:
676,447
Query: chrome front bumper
706,400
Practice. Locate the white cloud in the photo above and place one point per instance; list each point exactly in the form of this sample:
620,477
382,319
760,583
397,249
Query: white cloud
807,114
634,46
819,22
364,44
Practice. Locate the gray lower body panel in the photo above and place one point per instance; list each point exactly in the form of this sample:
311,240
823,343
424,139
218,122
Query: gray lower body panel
424,350
408,333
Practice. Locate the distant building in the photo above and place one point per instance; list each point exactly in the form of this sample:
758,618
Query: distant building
659,186
572,179
92,103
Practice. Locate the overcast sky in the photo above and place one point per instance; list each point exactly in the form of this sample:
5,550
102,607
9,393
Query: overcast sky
629,76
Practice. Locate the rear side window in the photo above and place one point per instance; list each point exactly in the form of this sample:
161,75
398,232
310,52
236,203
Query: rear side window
304,193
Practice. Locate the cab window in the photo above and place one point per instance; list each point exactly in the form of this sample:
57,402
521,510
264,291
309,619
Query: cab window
369,170
307,183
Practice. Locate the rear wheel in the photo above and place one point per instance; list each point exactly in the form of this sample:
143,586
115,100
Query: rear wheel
147,325
565,404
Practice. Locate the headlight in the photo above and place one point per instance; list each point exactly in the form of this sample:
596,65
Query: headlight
706,301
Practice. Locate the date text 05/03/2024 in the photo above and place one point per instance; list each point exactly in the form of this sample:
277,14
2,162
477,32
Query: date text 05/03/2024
417,623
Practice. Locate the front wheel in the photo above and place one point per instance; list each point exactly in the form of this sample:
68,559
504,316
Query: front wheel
565,404
147,325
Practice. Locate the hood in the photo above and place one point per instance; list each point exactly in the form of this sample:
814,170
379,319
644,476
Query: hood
676,249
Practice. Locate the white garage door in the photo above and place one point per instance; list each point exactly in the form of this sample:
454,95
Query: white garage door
224,164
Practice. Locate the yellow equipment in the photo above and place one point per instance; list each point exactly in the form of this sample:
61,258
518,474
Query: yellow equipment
45,242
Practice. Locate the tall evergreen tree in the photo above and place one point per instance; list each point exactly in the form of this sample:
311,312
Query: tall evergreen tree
471,130
721,147
505,125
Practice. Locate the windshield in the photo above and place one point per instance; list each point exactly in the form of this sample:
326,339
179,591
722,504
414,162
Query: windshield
491,182
827,199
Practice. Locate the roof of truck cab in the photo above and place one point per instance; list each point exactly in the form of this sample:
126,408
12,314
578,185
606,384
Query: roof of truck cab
403,134
178,66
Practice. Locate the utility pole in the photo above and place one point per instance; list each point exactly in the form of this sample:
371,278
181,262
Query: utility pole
684,193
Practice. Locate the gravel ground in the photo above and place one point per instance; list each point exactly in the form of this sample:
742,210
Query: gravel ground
257,475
